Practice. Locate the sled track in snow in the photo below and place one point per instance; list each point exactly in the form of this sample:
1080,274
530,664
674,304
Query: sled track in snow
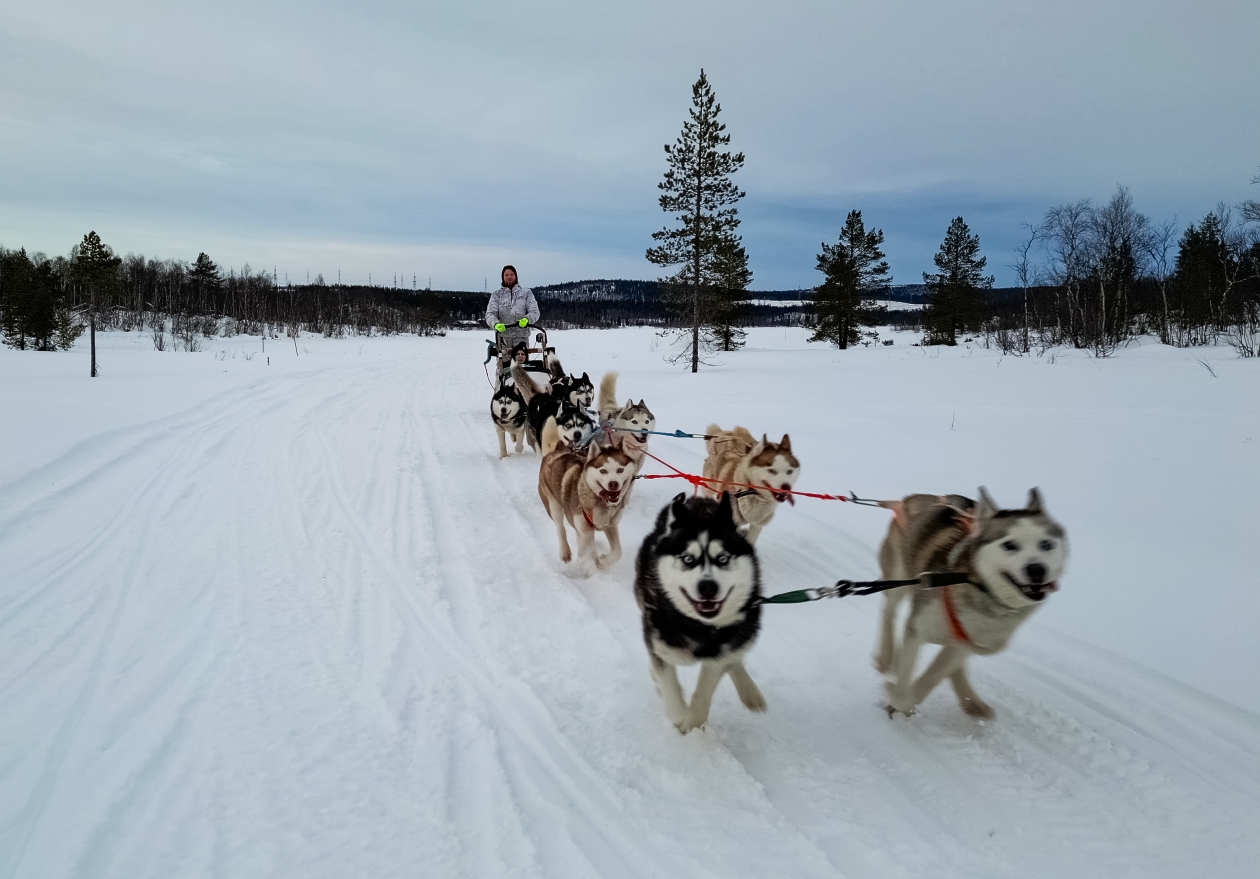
314,626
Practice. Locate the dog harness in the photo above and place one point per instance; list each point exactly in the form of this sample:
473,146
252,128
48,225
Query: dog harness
951,616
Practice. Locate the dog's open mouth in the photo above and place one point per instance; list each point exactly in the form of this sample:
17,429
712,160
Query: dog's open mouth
783,493
640,437
610,497
1032,591
706,607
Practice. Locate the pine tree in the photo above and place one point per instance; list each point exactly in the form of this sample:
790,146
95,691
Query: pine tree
33,313
728,277
955,298
697,189
855,271
95,269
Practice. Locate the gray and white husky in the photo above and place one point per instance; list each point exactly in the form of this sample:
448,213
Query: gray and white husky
507,410
698,586
1013,559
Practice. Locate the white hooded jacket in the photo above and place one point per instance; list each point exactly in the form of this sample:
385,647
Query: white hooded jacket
509,306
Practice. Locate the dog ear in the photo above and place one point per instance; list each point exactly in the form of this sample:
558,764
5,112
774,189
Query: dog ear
586,378
629,403
987,509
724,516
592,450
641,405
1034,504
677,508
786,444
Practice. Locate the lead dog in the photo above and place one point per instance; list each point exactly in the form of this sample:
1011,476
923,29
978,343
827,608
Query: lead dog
734,456
1013,559
587,489
697,584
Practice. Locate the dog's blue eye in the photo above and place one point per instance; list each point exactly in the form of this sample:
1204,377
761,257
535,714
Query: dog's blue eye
1010,546
688,560
1047,545
721,560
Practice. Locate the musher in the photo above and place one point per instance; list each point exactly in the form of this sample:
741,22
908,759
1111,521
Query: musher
510,313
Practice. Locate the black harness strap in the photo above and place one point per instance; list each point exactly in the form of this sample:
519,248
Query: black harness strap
844,588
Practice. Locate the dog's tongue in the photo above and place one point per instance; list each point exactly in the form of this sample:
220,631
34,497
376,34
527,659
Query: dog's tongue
610,496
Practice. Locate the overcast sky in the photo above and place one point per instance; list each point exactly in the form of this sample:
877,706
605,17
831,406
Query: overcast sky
445,139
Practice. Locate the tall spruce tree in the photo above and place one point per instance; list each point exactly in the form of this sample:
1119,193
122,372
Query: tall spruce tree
955,293
728,277
855,271
698,190
94,268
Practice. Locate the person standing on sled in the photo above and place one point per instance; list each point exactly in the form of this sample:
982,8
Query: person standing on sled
511,311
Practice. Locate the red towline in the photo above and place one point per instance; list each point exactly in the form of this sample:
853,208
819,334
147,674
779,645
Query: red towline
699,482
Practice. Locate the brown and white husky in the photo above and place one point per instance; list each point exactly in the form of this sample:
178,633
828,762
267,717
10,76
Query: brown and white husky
587,489
736,457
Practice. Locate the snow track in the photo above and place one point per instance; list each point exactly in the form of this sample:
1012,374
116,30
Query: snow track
313,626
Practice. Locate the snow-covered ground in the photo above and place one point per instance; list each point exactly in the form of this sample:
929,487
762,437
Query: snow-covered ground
294,618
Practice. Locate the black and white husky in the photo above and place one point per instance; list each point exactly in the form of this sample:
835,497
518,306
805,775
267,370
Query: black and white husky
578,390
698,585
1012,559
507,410
573,422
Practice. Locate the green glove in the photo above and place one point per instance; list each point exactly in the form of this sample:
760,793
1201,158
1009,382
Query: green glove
498,328
523,322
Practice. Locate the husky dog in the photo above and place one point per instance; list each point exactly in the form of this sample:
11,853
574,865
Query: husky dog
573,422
734,456
634,422
1013,559
577,390
507,410
585,488
697,583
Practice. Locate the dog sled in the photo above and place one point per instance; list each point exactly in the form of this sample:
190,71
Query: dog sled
536,360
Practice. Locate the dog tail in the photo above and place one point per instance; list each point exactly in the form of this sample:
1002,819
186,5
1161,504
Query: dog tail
550,436
523,382
608,396
552,362
898,509
713,437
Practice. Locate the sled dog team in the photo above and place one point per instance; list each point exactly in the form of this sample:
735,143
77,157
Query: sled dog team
697,579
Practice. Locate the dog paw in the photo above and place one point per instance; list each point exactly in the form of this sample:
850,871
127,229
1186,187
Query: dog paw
752,699
976,708
689,723
898,702
566,555
883,664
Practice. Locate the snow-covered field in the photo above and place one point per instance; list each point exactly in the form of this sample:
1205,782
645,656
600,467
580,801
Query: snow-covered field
295,618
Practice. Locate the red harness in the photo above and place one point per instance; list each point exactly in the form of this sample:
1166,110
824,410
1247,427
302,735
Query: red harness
587,516
951,616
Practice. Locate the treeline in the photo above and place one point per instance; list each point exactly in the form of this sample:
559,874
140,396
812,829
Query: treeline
1090,276
45,302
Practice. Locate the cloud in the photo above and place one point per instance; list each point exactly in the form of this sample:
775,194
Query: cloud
473,134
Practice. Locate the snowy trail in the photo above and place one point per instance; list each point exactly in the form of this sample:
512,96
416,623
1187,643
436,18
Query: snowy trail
313,626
